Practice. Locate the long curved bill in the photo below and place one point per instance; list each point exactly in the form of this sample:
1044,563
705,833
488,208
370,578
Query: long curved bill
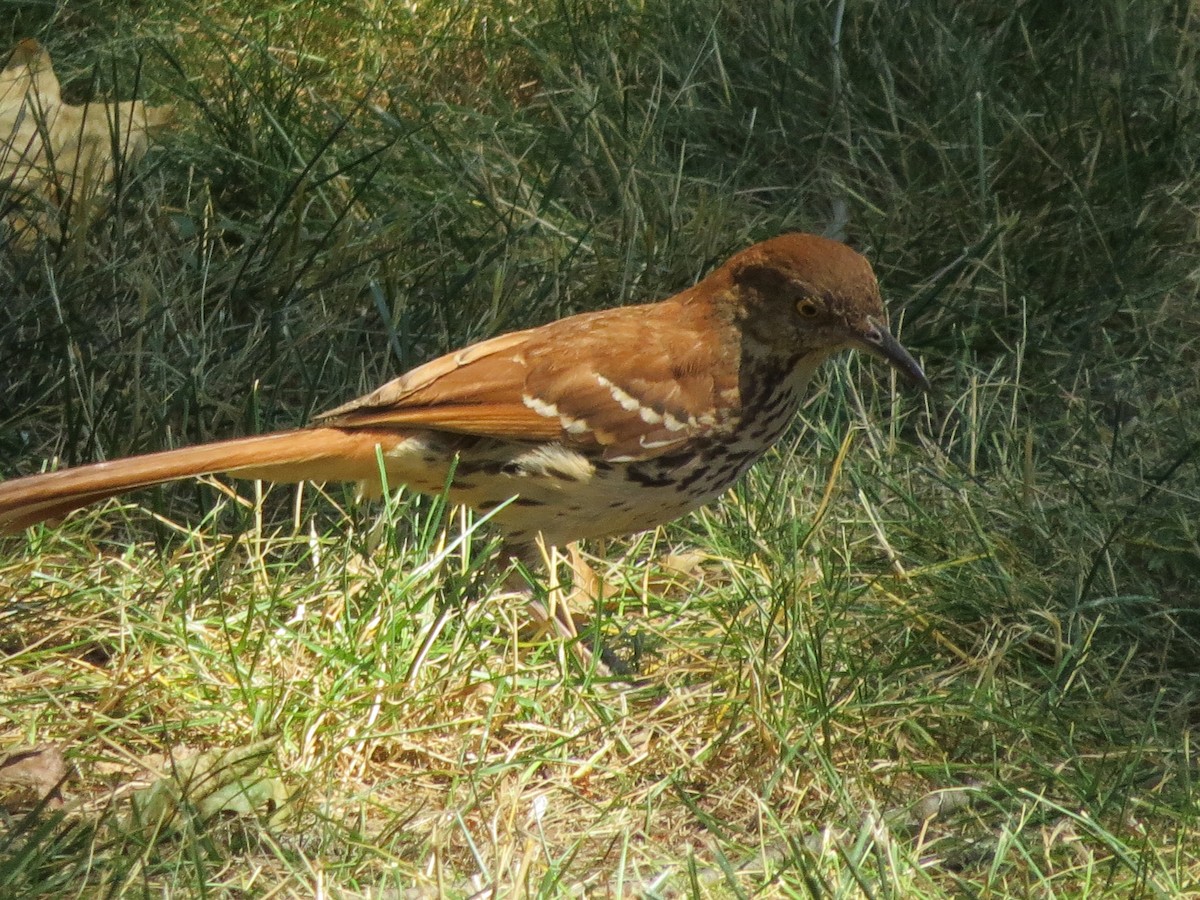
880,342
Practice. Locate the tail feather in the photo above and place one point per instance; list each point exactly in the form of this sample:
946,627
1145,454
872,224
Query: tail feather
310,454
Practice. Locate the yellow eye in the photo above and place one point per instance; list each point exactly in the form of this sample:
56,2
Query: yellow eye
808,307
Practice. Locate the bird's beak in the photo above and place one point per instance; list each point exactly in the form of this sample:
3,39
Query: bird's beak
878,341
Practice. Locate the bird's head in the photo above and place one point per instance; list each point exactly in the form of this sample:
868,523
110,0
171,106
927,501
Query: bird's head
800,294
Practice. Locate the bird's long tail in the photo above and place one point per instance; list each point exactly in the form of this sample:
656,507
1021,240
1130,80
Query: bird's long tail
309,454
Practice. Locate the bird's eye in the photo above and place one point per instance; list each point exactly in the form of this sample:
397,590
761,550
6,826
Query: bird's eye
807,307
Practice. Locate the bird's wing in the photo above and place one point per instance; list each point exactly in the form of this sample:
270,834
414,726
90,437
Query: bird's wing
476,390
629,383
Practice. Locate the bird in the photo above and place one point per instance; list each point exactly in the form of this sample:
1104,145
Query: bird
599,424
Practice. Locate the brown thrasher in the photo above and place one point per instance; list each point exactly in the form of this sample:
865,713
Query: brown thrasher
603,423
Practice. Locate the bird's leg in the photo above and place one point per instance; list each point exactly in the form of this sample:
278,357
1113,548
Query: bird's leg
550,606
546,601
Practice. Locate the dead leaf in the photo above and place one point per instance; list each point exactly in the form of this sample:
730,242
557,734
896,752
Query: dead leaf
31,775
209,784
57,159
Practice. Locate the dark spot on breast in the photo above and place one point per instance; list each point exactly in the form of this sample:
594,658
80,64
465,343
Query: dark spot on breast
563,476
466,467
728,468
491,467
776,405
699,473
657,477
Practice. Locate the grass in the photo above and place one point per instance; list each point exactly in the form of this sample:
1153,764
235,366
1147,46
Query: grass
930,647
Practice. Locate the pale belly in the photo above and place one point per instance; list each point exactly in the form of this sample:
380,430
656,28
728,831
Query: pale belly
560,493
565,496
616,499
